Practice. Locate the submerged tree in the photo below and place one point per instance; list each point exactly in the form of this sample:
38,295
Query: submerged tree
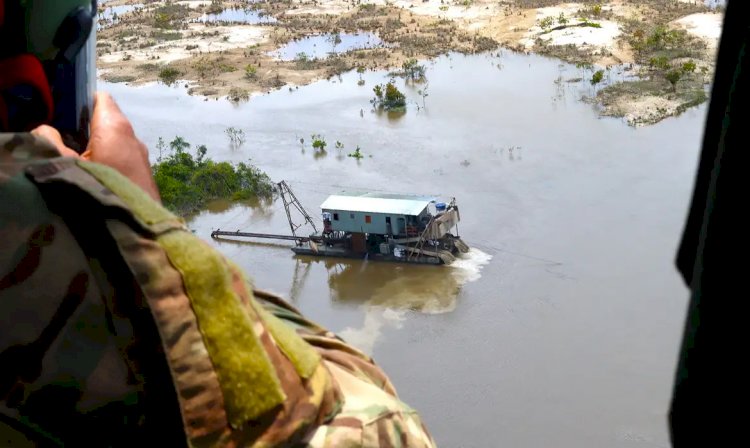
187,182
413,70
319,142
388,97
423,93
357,154
236,136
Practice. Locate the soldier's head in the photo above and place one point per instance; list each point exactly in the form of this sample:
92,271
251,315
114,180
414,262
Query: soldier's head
47,65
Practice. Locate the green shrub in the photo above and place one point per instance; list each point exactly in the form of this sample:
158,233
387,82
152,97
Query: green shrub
319,142
547,23
251,72
237,94
357,154
388,97
688,67
597,77
186,182
412,69
168,75
659,62
673,76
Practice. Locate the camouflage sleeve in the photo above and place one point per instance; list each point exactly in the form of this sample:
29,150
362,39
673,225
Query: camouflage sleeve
371,415
76,339
244,367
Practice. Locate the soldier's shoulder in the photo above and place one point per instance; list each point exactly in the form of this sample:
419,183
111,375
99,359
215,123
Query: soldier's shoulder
370,417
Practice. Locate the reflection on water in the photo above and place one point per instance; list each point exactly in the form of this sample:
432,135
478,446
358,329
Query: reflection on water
323,45
220,205
377,319
423,289
240,212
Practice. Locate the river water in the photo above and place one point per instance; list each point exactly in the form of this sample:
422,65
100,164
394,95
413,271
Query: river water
561,327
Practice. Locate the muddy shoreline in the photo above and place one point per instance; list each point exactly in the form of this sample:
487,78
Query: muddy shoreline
231,49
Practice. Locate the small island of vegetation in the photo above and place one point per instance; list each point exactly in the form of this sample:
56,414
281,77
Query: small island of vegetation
188,182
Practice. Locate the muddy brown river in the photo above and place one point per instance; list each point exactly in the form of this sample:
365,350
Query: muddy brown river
561,327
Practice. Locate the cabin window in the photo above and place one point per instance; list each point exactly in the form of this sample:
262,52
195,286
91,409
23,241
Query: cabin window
335,216
387,219
351,215
368,219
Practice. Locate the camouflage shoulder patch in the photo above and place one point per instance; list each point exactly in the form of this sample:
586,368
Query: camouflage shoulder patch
370,417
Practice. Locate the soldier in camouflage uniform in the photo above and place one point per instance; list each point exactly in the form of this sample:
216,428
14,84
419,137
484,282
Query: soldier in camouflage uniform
118,326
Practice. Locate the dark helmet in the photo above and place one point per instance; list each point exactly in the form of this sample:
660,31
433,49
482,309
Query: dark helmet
47,65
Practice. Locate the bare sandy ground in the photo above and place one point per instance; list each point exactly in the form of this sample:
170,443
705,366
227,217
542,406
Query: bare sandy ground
192,44
704,25
585,38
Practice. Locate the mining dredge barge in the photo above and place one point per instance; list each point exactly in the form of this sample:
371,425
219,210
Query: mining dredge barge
373,226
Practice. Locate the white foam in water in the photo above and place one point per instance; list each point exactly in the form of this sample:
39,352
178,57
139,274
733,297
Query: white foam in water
468,266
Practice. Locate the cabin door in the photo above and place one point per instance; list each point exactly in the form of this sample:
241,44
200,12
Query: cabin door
401,226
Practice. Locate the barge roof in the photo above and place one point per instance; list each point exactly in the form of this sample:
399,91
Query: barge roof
394,204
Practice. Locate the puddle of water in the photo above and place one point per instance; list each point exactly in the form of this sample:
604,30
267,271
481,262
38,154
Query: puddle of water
244,16
110,15
323,45
713,4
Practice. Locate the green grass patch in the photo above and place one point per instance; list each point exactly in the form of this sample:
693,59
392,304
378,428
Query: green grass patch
226,68
162,35
588,24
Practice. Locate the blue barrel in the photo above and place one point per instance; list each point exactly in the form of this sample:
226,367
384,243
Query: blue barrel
440,206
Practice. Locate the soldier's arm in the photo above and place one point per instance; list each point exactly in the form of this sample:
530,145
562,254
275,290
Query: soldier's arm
247,368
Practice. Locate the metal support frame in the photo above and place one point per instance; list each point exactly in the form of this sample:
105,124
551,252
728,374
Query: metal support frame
420,243
292,200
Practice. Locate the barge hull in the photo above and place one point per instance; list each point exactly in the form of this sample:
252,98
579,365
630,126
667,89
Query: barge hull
343,253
